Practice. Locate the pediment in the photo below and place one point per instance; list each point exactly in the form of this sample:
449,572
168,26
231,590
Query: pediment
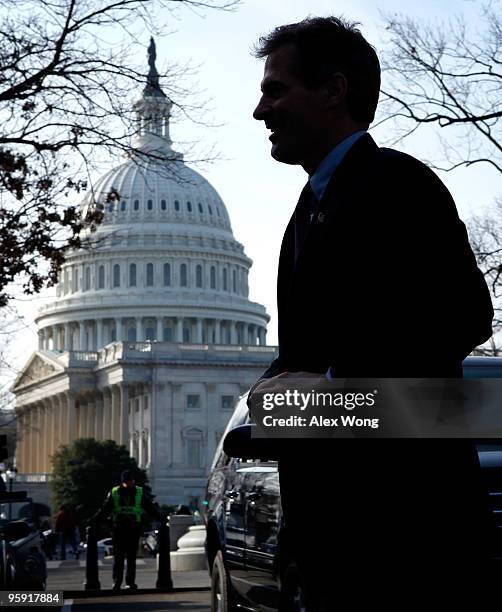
39,367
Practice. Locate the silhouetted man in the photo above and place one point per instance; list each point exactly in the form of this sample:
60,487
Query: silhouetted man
376,279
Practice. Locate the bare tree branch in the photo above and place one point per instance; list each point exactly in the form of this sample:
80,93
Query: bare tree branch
64,100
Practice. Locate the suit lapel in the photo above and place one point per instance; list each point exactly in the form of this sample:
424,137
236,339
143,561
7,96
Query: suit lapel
337,193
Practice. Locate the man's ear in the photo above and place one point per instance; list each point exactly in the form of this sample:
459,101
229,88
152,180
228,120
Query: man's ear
336,86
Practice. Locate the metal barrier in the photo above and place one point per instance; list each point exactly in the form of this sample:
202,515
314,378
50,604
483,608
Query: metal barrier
91,562
164,579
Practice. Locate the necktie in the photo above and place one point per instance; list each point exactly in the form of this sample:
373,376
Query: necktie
305,209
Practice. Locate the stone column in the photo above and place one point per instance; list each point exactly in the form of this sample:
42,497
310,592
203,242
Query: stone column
245,334
58,340
141,455
80,425
56,410
217,329
115,413
139,329
51,430
41,339
198,331
119,329
99,334
107,414
71,418
44,442
21,446
160,329
233,333
179,330
98,417
124,414
35,437
91,417
24,429
261,336
66,344
81,336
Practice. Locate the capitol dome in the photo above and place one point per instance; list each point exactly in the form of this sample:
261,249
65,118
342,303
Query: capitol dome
165,265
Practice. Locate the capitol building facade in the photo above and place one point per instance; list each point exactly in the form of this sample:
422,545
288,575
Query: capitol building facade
151,338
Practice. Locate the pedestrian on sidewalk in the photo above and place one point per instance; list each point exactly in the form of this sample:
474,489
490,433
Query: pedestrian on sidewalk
65,526
125,504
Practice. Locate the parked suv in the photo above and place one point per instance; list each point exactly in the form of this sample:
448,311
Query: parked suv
247,544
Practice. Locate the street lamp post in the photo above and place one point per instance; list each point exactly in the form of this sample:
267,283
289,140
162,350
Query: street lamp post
11,476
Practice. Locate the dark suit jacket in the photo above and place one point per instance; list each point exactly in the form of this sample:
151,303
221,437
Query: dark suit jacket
386,285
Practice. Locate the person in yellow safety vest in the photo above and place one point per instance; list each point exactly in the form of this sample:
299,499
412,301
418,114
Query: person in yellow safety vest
125,504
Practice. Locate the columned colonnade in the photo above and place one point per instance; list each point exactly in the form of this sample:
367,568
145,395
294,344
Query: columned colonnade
47,424
93,334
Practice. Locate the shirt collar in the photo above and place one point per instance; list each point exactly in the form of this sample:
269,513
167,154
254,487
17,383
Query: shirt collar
320,179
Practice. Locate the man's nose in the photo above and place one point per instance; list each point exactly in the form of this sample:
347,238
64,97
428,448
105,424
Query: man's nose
260,112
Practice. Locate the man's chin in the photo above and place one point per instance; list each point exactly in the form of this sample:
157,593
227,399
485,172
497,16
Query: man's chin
284,156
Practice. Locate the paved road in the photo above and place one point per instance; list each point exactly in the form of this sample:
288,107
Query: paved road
188,601
70,575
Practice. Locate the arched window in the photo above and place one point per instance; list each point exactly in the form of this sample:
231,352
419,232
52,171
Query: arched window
101,277
167,275
87,285
149,274
183,275
163,205
176,205
210,209
189,206
225,279
116,275
149,205
149,333
198,276
201,210
186,334
213,277
132,275
131,334
234,281
110,207
122,205
168,334
218,212
136,204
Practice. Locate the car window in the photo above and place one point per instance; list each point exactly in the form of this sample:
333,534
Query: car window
239,417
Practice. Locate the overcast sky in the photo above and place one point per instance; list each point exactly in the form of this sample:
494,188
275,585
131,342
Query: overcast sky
260,194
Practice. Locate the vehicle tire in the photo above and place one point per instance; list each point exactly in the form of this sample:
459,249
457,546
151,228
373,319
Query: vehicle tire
10,572
292,591
221,589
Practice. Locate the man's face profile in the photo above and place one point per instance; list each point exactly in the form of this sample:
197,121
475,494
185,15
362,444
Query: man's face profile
296,115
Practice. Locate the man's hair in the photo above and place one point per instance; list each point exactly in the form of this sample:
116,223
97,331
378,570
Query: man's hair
326,45
127,475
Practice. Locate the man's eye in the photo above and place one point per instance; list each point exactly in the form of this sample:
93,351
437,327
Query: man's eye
275,92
